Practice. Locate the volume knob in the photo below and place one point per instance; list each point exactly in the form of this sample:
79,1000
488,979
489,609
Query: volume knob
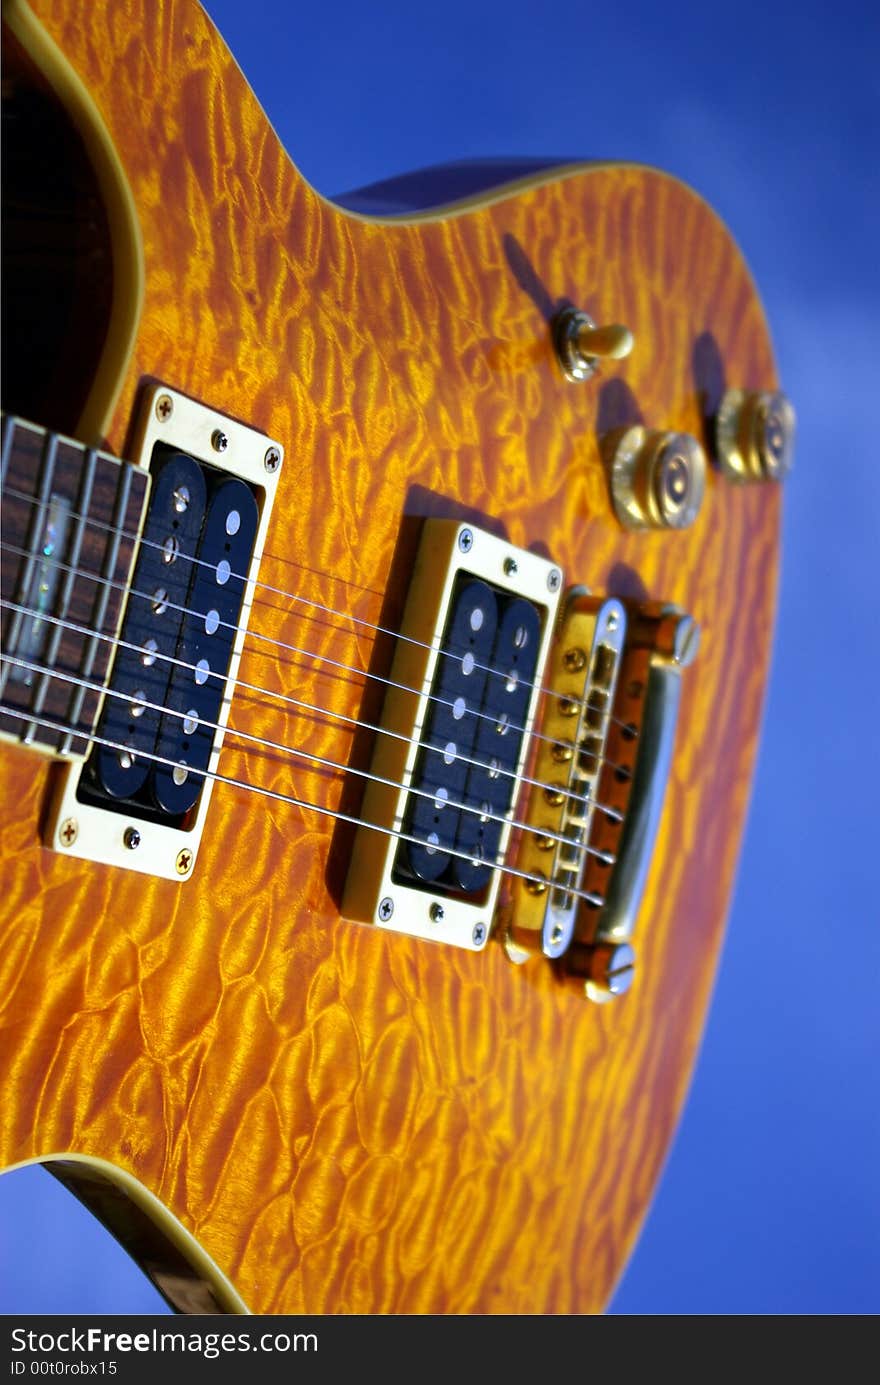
657,479
754,435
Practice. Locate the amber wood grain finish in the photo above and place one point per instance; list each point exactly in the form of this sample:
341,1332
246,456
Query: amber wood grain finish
348,1120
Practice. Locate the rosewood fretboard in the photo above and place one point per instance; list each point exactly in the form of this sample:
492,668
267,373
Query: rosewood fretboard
70,518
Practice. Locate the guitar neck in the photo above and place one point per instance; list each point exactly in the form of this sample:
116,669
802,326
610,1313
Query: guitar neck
71,516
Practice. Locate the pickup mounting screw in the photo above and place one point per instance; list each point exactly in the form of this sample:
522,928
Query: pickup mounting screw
437,912
68,832
479,934
132,838
465,540
386,909
164,407
219,440
272,459
184,861
554,579
511,567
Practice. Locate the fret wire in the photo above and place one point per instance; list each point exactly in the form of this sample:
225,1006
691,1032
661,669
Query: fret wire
8,435
47,471
63,604
102,594
9,426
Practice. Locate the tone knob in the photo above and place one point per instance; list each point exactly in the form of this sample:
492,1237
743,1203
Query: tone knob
754,435
581,345
657,479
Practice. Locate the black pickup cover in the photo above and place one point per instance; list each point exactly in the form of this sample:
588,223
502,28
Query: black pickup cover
472,740
181,619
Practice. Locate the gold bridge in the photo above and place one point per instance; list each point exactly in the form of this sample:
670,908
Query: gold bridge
615,681
568,764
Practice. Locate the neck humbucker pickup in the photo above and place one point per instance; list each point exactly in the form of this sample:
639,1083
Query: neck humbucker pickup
127,589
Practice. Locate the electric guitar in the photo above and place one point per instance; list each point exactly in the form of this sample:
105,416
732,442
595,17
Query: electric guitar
387,600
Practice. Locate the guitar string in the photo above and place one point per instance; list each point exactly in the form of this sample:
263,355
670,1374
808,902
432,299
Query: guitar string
496,720
295,753
544,689
495,863
287,699
98,579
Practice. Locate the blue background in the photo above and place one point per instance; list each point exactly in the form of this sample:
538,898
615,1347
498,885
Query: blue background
769,1202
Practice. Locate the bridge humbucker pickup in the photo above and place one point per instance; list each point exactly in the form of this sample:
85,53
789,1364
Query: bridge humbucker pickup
450,731
475,726
454,737
491,779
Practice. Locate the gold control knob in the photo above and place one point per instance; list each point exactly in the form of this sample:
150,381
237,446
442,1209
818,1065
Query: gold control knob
754,435
657,479
581,345
604,970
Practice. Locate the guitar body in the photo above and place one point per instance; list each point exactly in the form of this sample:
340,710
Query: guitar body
345,1119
